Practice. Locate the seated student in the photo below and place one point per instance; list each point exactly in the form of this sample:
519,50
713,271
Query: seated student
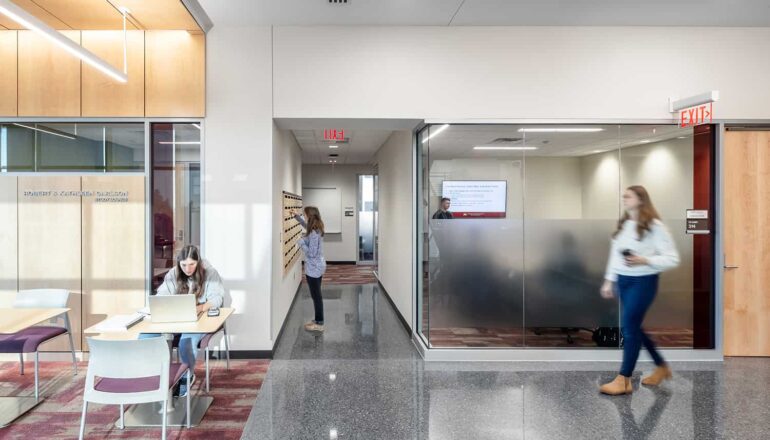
192,275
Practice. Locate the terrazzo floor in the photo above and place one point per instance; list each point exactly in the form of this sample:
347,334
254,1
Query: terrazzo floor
363,379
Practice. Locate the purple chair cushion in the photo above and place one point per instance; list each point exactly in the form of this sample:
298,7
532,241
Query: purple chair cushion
203,344
27,340
140,384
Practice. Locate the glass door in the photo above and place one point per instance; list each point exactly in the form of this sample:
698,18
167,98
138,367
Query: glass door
366,219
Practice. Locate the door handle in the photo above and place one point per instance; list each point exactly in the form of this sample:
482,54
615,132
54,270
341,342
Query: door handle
727,266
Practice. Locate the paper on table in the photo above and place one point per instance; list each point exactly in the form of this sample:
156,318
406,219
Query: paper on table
119,323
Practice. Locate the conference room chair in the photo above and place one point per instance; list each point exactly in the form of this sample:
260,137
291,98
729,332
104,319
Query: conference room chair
30,339
131,372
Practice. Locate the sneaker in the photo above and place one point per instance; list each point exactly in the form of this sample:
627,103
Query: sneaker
184,387
313,327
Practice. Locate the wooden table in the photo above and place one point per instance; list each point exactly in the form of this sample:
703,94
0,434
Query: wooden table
13,320
148,414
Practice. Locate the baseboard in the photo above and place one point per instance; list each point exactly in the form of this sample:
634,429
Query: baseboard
285,320
404,322
251,354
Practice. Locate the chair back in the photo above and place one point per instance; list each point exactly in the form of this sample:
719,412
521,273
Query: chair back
41,299
127,361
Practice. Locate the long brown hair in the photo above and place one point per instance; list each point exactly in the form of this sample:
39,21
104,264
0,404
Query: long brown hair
198,277
313,218
647,213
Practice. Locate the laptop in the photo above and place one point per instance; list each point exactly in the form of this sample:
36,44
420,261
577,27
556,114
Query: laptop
173,308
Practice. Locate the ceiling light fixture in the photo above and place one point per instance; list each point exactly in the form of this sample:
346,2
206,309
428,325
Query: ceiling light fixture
644,141
29,21
560,130
485,147
333,146
439,130
61,134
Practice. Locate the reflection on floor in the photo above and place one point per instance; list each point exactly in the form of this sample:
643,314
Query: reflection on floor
58,417
349,274
363,379
542,337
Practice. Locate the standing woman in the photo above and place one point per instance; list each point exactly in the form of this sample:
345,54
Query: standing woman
641,249
315,264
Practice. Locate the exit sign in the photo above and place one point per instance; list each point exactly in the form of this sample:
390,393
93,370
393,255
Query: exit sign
334,134
702,114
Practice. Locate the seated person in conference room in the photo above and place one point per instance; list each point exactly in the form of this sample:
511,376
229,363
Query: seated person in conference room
443,210
192,275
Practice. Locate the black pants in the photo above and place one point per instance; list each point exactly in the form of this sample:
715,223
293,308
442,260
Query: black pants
315,293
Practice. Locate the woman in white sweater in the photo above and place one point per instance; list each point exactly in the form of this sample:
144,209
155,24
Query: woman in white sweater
641,249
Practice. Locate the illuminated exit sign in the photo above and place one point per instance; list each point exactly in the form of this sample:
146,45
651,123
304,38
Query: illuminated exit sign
702,114
334,134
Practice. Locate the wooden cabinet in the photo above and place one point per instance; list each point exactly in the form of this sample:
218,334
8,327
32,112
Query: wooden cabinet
175,74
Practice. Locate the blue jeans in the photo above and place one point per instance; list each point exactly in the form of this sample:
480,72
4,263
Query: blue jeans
636,296
188,346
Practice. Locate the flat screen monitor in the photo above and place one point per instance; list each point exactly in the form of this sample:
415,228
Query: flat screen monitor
476,198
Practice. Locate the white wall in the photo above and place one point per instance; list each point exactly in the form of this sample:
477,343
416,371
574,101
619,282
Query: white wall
344,246
237,166
287,176
517,72
396,212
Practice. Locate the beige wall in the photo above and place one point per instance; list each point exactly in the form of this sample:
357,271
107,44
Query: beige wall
9,272
287,176
342,246
396,216
166,75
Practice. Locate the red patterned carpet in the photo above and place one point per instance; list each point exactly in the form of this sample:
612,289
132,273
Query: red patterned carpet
58,417
349,274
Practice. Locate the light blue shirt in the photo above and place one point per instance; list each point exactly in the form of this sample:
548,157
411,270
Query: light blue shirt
312,246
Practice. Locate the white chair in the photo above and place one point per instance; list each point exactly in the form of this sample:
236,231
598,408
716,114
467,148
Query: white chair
30,339
131,372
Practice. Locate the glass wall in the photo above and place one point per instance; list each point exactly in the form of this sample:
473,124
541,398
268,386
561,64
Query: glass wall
516,256
41,147
176,193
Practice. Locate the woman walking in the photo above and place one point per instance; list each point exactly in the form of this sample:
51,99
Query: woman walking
641,249
315,264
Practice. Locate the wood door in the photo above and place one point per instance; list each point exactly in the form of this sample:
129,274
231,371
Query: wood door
747,243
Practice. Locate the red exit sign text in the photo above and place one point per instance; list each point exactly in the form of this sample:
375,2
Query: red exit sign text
334,134
690,117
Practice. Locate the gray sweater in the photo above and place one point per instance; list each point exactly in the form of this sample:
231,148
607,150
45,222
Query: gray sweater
213,289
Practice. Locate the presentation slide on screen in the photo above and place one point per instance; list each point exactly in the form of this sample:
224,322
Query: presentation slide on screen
476,198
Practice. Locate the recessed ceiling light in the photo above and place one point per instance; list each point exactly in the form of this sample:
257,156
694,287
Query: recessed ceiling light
333,146
560,130
644,141
488,147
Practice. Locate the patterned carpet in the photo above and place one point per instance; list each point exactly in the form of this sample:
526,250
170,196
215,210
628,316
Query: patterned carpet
58,417
349,274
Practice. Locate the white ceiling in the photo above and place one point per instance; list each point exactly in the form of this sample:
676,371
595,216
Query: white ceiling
360,148
723,13
458,141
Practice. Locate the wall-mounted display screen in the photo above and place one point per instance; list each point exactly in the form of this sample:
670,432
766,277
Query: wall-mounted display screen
476,198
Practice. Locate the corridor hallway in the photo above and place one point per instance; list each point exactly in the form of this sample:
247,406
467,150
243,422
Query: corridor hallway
363,379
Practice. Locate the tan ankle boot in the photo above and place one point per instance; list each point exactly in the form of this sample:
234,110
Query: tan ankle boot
620,385
659,375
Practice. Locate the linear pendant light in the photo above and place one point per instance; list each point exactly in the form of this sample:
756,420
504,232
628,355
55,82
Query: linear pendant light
29,21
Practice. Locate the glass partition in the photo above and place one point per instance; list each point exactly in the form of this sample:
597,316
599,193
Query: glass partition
516,256
41,147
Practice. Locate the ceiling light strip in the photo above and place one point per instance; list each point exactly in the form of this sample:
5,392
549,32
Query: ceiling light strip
29,21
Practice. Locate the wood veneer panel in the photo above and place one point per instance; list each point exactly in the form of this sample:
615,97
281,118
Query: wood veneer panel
160,14
102,95
86,14
49,242
114,247
175,80
34,9
49,77
8,77
747,243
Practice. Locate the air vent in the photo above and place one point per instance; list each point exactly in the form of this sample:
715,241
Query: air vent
334,155
504,141
343,141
